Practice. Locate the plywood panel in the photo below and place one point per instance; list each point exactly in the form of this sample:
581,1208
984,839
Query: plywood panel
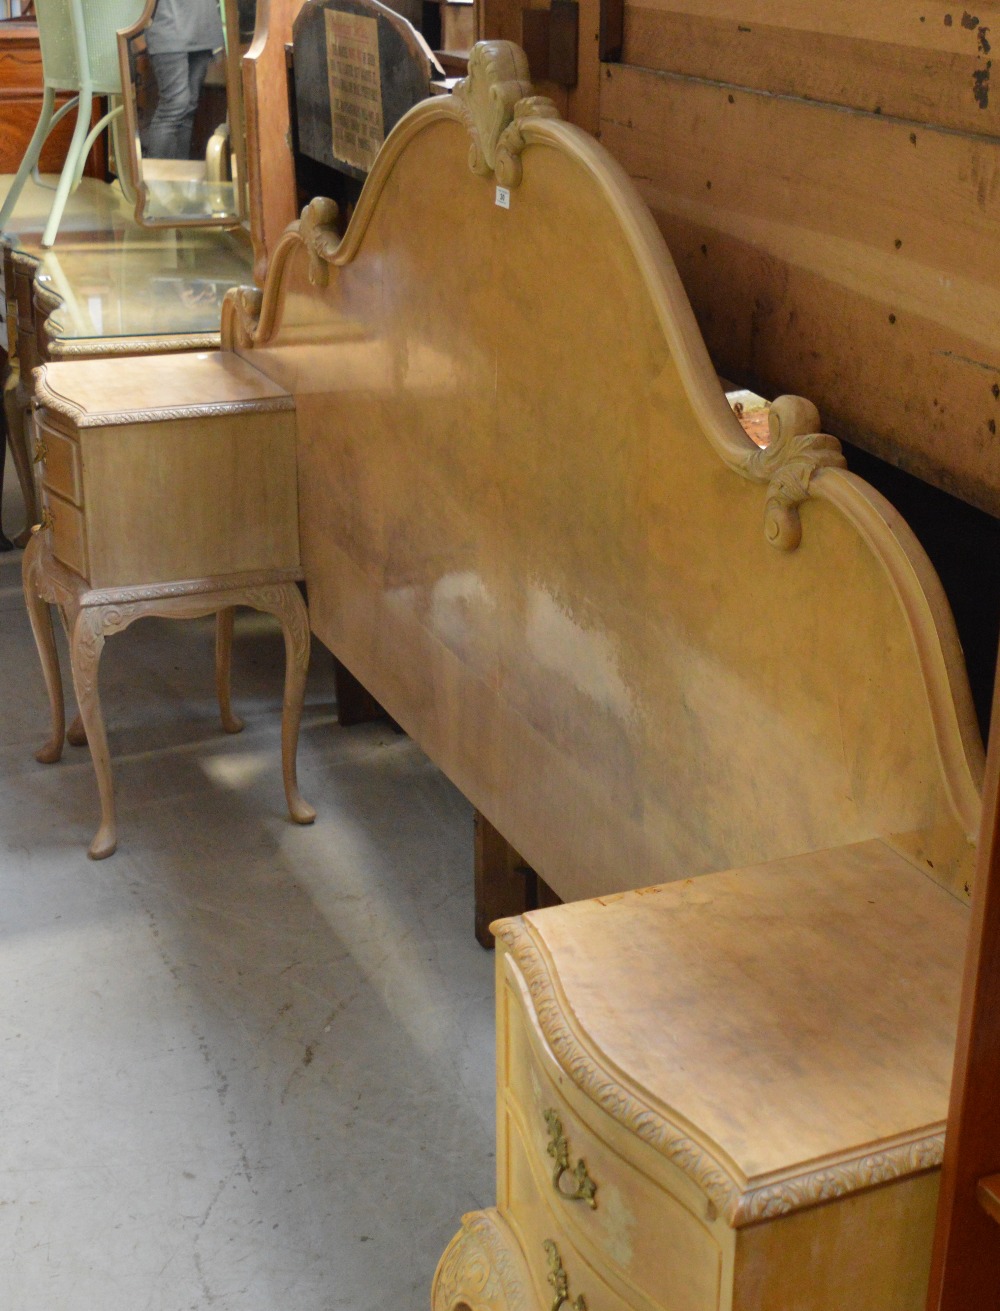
928,62
841,255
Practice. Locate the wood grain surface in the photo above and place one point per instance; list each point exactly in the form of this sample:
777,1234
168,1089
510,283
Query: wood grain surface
521,534
843,255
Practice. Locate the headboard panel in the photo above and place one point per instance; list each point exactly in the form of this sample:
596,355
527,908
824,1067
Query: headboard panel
532,526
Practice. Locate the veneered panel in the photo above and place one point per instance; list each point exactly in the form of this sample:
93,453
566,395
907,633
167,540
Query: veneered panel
519,532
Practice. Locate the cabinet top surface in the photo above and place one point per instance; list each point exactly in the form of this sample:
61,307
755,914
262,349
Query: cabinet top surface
93,393
788,1016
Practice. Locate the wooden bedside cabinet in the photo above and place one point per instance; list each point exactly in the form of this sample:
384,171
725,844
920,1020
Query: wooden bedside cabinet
169,488
722,1094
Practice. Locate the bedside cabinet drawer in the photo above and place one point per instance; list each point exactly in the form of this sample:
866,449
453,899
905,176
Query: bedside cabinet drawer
60,465
645,1234
69,538
559,1269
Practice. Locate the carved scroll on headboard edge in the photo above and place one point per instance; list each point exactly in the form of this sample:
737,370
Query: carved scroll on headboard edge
495,101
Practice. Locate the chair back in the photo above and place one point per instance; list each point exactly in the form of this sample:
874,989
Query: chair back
103,20
75,34
56,37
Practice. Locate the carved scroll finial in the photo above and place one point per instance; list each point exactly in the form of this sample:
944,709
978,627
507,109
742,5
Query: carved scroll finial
512,143
240,317
796,451
494,98
321,235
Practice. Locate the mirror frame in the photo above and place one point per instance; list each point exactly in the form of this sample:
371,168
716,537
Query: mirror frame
236,127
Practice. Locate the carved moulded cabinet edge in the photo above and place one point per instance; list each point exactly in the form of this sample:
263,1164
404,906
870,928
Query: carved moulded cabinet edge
56,403
90,348
189,587
738,1203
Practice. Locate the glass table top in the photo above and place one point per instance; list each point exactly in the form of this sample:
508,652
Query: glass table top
117,279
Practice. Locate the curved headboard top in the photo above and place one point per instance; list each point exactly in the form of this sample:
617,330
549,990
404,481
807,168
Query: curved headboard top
531,524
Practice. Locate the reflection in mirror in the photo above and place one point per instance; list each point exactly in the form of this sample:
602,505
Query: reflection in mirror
182,122
239,15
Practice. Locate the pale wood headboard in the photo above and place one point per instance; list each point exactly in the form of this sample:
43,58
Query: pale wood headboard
534,529
825,173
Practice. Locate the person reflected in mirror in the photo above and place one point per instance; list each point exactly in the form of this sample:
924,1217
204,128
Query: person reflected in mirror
181,40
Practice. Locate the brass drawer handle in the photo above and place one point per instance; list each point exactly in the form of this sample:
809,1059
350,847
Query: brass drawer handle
581,1187
47,520
559,1280
41,451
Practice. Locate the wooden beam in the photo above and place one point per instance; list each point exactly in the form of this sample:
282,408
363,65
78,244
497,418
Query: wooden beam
966,1255
988,1192
834,254
270,167
355,704
504,884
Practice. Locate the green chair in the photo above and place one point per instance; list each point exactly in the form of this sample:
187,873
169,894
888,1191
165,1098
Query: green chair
79,45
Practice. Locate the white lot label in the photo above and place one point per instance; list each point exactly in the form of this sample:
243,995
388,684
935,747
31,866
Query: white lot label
503,197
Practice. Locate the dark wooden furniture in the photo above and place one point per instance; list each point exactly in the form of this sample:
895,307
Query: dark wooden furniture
965,1273
20,102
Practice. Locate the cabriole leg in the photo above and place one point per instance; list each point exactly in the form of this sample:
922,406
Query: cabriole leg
41,627
223,669
86,646
76,734
294,618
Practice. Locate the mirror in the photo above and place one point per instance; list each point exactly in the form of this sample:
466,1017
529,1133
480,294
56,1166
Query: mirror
183,104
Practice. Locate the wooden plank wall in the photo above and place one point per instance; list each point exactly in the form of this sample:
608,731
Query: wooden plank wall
827,175
501,20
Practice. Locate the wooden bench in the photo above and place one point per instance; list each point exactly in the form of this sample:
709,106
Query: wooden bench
649,652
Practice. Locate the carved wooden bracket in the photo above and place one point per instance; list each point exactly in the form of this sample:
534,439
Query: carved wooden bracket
796,451
318,230
241,308
512,143
495,98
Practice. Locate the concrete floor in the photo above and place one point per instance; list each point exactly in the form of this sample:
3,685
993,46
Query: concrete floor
243,1065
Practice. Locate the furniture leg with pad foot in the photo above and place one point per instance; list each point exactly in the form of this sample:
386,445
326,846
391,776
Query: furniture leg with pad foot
172,511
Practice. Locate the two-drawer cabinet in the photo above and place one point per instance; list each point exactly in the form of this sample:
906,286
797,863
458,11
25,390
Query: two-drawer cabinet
167,467
722,1094
168,487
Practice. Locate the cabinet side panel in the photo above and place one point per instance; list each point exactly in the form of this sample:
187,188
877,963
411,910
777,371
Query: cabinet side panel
869,1252
190,498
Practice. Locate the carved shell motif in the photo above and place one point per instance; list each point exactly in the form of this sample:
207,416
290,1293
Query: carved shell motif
495,99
